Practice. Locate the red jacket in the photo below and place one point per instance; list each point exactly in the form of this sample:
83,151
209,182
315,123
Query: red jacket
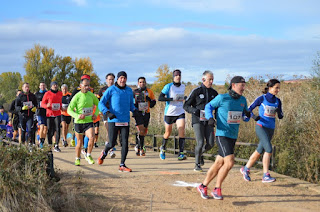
55,100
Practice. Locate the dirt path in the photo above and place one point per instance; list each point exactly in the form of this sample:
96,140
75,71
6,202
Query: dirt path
169,185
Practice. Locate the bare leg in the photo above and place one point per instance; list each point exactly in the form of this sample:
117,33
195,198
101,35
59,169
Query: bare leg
213,171
224,170
90,134
266,162
253,158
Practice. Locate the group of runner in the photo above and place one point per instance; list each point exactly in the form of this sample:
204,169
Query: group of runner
116,100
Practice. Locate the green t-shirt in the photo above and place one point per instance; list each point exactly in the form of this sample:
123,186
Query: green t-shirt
83,103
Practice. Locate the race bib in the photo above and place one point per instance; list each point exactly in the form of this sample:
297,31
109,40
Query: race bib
143,106
87,111
29,104
65,105
121,124
3,122
202,116
270,111
234,117
179,97
55,106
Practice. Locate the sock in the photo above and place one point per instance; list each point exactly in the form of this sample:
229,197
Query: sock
77,158
181,144
88,154
121,164
203,185
164,143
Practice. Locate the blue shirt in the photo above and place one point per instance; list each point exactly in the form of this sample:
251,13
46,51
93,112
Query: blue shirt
229,112
4,119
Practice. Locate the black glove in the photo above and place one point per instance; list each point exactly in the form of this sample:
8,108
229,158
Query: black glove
148,98
135,113
197,112
256,118
247,113
111,115
211,122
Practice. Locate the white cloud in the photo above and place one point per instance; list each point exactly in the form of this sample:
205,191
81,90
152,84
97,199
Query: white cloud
80,2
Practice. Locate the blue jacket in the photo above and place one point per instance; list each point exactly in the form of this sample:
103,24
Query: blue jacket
229,111
4,119
120,103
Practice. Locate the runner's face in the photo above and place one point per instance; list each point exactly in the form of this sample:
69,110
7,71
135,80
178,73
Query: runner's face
54,87
275,89
64,90
239,87
1,110
25,88
122,81
142,83
42,86
85,86
208,80
177,78
110,80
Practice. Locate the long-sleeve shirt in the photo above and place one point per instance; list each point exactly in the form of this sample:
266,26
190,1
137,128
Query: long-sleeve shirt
55,100
4,119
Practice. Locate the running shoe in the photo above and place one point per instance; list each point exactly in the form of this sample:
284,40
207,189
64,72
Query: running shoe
216,193
56,148
162,153
65,143
201,161
182,156
89,159
112,154
96,145
124,169
41,145
101,158
77,162
142,153
203,191
137,150
245,174
267,178
73,143
197,168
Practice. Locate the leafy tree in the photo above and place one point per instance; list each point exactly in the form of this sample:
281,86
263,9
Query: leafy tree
65,67
164,76
9,83
316,70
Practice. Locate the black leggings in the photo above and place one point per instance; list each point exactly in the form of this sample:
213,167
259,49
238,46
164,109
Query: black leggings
53,124
203,132
113,134
26,122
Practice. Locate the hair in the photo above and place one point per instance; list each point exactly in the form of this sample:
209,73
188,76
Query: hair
205,73
141,78
42,82
18,90
110,74
85,79
64,85
270,84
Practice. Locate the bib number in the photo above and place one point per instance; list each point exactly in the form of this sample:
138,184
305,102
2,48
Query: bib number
202,116
270,111
143,106
55,106
179,97
121,124
234,117
65,105
87,111
29,104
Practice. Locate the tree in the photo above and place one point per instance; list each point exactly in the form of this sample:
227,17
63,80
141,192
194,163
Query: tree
164,76
316,70
9,83
65,66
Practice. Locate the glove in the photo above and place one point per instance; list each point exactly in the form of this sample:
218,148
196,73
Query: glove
135,113
256,118
34,109
247,113
148,98
197,113
25,107
111,115
211,122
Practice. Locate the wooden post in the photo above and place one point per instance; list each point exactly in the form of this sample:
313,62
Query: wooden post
155,146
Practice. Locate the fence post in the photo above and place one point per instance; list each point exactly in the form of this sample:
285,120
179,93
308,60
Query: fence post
154,143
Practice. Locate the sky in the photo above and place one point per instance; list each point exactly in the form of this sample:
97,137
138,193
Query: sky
233,37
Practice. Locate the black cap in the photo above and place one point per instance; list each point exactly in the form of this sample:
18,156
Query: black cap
1,107
236,79
53,83
122,73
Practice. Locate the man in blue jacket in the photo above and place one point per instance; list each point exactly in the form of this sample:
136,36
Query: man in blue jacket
120,101
4,119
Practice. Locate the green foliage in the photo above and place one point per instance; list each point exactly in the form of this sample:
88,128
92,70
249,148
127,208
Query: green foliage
164,76
8,84
316,71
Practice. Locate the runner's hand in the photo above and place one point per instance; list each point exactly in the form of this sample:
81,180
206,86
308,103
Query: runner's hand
247,113
25,107
197,113
48,105
111,115
256,118
82,116
94,117
211,122
34,109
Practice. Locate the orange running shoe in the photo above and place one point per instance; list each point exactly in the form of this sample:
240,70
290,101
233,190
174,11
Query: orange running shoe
142,153
124,169
101,158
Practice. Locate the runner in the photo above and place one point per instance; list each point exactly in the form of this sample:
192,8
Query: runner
143,100
194,104
81,109
269,105
120,100
173,113
65,117
230,107
15,119
41,114
26,107
4,119
52,101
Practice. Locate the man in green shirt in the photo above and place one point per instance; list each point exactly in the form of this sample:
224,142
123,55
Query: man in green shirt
81,109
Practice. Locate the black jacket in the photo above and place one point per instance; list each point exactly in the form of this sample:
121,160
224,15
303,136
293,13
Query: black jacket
40,111
197,100
25,98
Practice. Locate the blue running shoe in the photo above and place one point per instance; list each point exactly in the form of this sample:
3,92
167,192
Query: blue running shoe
162,153
182,156
267,178
41,145
245,174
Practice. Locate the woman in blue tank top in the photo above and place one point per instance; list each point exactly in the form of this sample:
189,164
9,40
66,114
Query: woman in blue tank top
269,107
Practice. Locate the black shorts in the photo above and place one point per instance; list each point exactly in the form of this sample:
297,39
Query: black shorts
67,119
82,128
173,119
226,145
15,122
97,124
142,119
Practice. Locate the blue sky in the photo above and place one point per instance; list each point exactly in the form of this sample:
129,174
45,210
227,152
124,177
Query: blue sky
235,37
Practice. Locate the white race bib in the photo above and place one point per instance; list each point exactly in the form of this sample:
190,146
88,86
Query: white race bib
179,97
143,106
87,111
202,116
65,105
29,104
55,106
121,124
270,111
234,117
3,122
